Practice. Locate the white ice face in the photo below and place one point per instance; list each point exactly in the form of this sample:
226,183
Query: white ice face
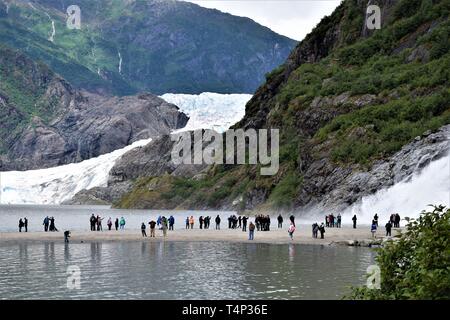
210,110
55,185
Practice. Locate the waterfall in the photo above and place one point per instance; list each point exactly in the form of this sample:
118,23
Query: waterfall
408,197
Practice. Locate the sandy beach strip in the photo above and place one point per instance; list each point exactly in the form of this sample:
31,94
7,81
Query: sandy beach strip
303,235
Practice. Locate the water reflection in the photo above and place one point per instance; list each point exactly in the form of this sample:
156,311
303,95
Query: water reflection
181,270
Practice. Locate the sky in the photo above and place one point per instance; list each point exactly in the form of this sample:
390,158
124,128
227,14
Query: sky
291,18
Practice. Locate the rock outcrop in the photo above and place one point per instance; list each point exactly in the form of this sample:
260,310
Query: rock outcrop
60,124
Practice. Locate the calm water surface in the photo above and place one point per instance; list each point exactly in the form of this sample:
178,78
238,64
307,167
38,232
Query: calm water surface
180,270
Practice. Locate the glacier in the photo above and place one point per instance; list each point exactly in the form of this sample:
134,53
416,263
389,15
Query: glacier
210,110
55,185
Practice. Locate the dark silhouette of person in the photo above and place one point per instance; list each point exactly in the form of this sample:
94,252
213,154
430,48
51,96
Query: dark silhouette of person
52,225
218,222
144,234
280,221
244,223
322,231
66,236
25,224
200,220
375,218
292,218
397,221
171,222
93,221
354,219
240,222
152,228
116,224
388,228
21,224
45,223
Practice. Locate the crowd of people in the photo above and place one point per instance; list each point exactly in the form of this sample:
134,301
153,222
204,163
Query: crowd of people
332,221
23,224
96,223
261,223
393,222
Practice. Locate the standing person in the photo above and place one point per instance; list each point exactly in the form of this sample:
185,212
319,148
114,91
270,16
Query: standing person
291,231
93,221
171,222
240,222
200,220
158,221
99,223
25,224
187,222
218,222
280,221
144,234
66,236
152,228
354,221
292,219
164,226
339,220
45,223
388,228
327,220
322,231
244,223
116,224
375,218
251,231
21,224
52,224
373,228
315,230
109,224
397,220
122,223
191,222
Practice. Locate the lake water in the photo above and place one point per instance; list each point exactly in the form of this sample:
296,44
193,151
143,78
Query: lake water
168,270
180,270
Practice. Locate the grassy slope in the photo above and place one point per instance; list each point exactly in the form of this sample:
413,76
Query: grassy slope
413,97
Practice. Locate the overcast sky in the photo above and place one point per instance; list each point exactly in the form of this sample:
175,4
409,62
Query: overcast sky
292,18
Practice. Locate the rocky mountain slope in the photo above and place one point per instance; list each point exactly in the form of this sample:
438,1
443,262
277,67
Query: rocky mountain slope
46,122
125,47
356,110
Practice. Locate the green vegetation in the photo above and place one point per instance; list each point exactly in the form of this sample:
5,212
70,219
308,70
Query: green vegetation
401,72
164,48
417,264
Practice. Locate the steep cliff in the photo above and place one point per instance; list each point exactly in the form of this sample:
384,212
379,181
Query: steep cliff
46,122
346,101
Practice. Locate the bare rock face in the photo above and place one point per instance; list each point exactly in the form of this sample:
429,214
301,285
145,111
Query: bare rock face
92,125
45,122
152,160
